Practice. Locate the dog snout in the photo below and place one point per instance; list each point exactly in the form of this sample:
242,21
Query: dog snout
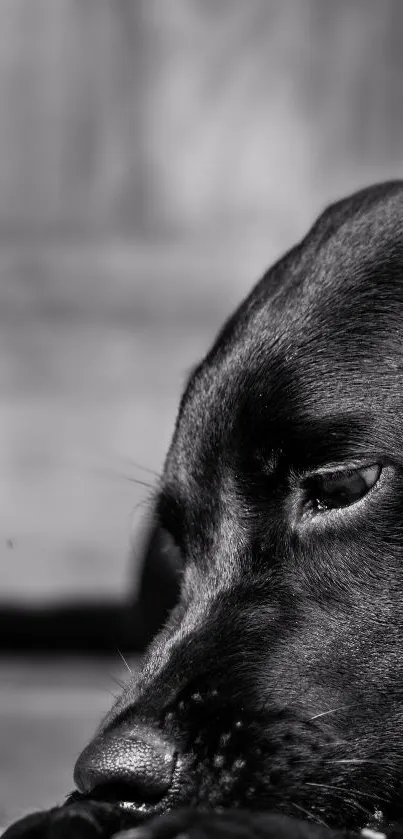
135,765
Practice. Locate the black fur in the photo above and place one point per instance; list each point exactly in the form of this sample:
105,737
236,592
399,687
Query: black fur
275,691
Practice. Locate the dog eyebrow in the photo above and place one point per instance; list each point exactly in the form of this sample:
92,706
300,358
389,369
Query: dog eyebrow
333,437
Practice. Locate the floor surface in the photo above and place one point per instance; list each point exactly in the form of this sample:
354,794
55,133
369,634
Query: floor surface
49,709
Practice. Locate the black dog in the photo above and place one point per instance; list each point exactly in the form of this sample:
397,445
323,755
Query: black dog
271,704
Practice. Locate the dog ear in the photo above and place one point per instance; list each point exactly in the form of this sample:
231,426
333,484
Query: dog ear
158,591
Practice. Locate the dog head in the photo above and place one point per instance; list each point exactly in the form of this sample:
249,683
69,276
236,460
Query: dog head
277,682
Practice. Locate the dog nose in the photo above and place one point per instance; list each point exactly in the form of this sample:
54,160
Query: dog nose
131,765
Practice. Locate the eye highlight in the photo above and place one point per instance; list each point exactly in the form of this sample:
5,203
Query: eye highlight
340,488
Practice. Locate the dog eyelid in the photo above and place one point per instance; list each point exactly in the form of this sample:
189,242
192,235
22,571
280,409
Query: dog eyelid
339,488
369,473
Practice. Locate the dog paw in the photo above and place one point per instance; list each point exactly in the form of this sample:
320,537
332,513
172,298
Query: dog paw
231,824
81,820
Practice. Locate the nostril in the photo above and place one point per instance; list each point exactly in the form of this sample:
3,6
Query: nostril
130,765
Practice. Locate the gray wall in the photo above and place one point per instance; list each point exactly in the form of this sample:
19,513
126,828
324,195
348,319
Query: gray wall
129,115
155,155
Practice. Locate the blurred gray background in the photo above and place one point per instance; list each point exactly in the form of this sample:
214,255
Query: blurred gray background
155,156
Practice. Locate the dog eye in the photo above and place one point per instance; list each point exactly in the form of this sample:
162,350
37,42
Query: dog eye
334,490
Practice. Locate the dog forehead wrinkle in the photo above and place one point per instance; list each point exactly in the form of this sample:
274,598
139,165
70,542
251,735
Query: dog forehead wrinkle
329,263
230,538
200,483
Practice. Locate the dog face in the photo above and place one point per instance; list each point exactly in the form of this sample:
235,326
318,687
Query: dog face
277,683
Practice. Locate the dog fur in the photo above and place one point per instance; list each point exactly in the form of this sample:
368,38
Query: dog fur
271,703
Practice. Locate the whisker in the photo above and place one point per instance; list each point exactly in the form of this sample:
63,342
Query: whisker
345,798
308,813
343,789
146,469
144,502
332,711
125,663
355,804
112,694
139,482
119,682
